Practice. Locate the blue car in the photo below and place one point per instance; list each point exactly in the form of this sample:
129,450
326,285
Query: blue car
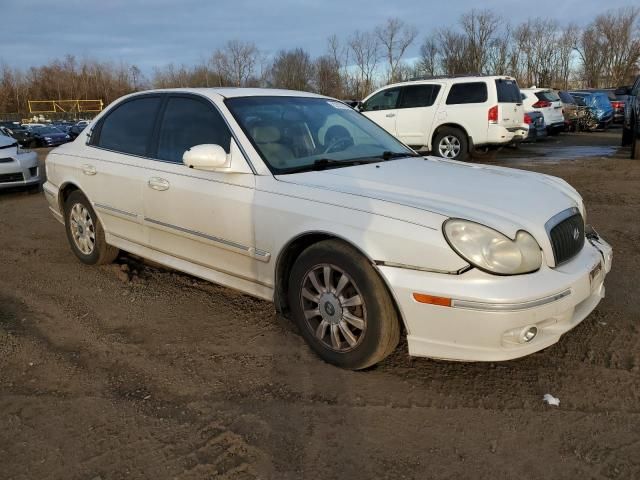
599,104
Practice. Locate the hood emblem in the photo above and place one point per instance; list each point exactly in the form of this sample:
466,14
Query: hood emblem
576,234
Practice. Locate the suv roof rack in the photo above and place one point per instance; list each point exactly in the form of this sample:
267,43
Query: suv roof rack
457,75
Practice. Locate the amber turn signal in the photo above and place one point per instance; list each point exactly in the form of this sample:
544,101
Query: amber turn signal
423,298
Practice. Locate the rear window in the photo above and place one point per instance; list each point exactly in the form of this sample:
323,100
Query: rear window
508,91
566,98
548,95
475,92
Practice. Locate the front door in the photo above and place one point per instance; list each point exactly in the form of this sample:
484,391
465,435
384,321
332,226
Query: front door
204,217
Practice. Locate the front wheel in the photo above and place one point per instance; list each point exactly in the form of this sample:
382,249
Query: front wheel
85,232
451,143
342,306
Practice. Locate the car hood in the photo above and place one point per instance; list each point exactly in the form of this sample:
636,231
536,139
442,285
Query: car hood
505,199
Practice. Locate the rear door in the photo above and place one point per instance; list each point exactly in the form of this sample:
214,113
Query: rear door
510,109
553,113
416,111
113,174
382,108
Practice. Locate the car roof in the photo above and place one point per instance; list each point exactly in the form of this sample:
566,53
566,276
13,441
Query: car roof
469,78
234,92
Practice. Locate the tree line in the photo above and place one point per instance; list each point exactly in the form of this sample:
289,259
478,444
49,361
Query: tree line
538,51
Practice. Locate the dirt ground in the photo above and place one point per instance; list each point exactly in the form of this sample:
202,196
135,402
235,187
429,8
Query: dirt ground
167,376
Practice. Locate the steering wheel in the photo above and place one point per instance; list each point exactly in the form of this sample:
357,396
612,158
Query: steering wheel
334,145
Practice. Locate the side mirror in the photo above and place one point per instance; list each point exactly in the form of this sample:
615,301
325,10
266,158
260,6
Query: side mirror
206,157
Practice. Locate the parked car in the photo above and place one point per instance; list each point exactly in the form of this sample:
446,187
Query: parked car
451,117
617,101
548,103
23,136
48,137
298,199
631,124
570,109
587,120
536,128
62,126
77,129
599,104
17,167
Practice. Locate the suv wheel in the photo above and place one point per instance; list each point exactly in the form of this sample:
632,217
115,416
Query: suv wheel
627,139
451,143
85,232
342,307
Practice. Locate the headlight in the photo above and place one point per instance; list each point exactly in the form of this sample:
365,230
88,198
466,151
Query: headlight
490,250
47,138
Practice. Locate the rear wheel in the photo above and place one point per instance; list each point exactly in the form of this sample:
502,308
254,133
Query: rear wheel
342,307
451,143
635,147
85,232
627,139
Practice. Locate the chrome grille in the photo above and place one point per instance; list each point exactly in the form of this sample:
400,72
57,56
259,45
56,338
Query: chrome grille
567,238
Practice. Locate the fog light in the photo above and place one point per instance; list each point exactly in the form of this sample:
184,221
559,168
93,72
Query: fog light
528,333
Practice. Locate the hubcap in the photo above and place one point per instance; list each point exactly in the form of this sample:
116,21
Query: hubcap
82,229
449,146
333,307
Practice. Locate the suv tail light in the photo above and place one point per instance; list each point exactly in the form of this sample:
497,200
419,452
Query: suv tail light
527,119
617,104
541,104
493,114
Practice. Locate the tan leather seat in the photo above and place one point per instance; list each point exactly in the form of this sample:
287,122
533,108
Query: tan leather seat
267,137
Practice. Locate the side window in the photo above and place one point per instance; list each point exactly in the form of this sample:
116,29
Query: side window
418,96
475,92
384,100
188,122
129,127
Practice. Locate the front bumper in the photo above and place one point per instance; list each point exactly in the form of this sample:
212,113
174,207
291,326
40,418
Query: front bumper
489,313
22,171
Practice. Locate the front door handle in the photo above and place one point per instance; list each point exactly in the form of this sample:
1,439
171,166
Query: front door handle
390,115
89,169
158,183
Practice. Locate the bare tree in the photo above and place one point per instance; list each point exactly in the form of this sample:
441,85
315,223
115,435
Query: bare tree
395,37
236,62
366,54
429,57
479,28
452,48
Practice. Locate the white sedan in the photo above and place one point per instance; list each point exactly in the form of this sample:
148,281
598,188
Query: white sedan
298,199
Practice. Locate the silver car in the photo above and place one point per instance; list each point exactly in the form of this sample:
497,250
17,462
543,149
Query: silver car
18,168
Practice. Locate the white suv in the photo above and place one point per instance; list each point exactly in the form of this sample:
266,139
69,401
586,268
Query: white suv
450,116
548,103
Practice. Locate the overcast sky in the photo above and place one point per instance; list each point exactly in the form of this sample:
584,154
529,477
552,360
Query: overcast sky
157,32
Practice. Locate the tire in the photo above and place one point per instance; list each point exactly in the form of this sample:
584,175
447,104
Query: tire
92,251
627,139
354,329
635,148
459,149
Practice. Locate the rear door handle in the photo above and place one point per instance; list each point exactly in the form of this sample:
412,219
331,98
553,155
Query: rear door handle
89,169
158,183
390,115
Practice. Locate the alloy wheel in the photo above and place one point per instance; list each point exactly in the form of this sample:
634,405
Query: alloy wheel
449,146
333,307
82,229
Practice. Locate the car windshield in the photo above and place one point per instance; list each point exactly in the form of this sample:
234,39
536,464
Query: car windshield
580,100
548,95
294,134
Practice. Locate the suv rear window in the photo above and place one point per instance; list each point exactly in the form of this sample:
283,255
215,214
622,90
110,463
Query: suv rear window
474,92
548,95
418,96
508,91
566,97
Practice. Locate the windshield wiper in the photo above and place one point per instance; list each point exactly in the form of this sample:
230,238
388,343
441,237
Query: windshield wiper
323,163
387,155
